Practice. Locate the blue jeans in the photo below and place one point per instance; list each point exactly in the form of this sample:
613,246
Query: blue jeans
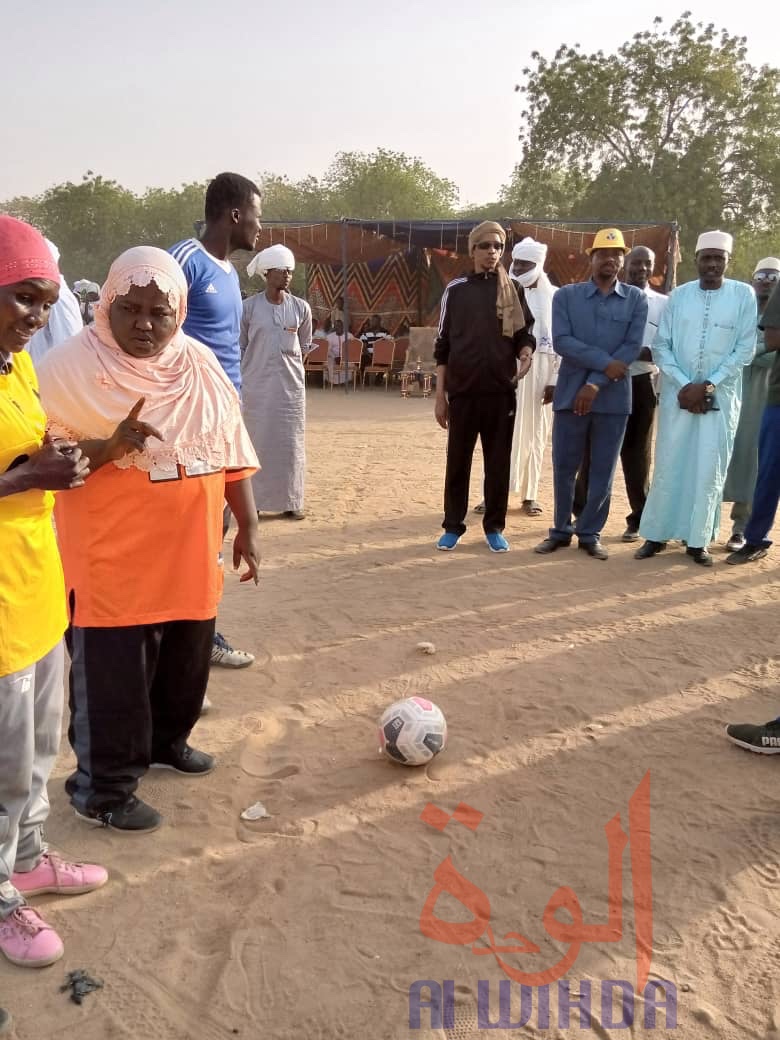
570,443
767,493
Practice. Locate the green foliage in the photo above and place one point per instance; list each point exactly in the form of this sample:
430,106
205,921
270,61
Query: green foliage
675,125
386,185
94,221
382,185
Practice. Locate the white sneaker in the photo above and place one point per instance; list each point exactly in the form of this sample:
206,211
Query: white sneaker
223,654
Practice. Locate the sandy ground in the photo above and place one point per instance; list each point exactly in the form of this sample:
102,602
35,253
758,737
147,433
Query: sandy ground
563,680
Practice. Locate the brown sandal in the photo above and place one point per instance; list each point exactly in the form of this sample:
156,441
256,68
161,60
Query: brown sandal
531,508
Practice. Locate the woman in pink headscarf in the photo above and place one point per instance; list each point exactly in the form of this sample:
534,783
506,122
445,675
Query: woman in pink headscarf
141,541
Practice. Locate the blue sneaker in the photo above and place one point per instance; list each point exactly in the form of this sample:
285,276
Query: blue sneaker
448,541
497,542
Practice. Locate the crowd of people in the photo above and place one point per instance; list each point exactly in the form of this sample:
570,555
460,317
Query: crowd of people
145,410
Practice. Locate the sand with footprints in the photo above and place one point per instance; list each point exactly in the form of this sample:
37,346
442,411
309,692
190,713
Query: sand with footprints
564,681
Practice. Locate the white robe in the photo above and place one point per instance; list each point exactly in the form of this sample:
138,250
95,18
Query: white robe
274,338
534,419
703,336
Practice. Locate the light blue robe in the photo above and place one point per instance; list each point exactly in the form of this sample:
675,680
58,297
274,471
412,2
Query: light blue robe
705,336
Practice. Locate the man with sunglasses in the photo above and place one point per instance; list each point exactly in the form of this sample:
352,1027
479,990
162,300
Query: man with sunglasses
483,348
743,468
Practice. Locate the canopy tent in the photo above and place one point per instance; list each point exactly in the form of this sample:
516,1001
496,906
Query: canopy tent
399,268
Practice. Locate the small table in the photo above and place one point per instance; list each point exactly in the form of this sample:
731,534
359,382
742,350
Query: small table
409,378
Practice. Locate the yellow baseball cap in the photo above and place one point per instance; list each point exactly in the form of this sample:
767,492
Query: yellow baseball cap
608,238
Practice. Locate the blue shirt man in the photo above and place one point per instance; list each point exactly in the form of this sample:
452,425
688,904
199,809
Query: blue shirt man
598,328
214,304
232,208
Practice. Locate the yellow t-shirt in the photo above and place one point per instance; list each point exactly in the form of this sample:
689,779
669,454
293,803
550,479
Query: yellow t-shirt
32,589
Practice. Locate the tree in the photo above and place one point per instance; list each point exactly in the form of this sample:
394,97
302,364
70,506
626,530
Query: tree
386,185
676,125
284,199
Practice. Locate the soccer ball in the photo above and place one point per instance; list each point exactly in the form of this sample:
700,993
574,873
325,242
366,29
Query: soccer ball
412,731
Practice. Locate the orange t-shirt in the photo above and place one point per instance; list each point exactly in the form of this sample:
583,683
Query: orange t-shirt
138,551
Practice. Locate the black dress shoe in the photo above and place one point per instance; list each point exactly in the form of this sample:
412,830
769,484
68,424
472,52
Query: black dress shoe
700,556
549,545
644,552
595,549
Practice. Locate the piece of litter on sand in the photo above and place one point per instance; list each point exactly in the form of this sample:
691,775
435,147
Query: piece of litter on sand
256,812
80,983
426,648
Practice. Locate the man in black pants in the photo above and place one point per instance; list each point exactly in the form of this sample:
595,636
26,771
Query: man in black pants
636,451
484,346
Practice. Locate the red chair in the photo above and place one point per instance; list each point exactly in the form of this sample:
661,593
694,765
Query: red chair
317,358
382,360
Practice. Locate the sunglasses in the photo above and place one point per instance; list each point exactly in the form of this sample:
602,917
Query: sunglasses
766,276
498,246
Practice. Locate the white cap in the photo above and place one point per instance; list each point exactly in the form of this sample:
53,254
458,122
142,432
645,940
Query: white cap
769,263
715,240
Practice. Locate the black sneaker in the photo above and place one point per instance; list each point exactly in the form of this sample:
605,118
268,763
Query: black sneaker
763,739
132,816
189,761
747,554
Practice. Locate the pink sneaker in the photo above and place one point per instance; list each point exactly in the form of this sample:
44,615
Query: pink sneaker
27,940
56,875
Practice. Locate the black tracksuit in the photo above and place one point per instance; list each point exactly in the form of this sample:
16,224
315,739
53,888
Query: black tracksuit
481,385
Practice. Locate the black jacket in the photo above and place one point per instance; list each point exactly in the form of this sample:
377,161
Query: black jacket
479,358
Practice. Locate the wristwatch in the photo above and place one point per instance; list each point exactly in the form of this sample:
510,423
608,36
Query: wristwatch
593,386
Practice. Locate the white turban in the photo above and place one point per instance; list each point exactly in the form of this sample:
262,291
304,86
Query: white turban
769,263
715,240
532,251
275,258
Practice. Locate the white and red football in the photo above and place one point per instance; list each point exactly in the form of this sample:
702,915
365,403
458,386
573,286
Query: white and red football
412,731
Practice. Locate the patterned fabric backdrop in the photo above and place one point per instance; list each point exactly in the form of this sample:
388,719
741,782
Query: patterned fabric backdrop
389,288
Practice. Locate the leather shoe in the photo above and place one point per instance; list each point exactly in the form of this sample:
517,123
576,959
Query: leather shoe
630,535
649,549
595,549
549,545
700,555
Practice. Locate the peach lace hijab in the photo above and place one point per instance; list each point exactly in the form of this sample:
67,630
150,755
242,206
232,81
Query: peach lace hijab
88,384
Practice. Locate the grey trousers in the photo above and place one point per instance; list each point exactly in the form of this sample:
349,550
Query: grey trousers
30,718
740,514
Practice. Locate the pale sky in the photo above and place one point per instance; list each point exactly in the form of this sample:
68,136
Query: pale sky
159,92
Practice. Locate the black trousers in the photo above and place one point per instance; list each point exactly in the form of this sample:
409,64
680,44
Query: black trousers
635,454
135,694
491,417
